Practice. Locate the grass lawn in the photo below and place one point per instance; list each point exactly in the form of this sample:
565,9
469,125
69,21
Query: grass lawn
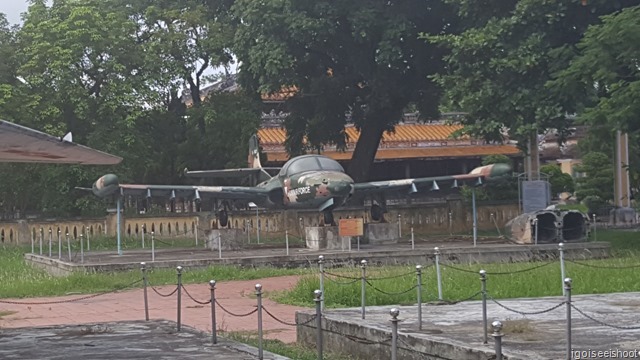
616,274
19,280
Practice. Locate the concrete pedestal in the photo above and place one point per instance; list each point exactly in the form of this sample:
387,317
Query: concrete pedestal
229,239
622,216
325,237
381,233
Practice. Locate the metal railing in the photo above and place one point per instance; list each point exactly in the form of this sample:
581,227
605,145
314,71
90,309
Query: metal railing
368,282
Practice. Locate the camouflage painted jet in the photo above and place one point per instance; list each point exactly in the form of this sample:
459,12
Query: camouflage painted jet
304,182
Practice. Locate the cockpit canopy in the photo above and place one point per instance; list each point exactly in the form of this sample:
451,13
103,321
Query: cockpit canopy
310,163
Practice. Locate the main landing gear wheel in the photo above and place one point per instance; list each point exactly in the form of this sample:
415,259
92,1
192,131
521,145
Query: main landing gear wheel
376,212
328,218
223,218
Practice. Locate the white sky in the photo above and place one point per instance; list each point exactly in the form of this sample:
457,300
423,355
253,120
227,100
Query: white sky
13,9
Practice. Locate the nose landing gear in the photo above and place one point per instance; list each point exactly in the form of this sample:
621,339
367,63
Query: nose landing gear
328,218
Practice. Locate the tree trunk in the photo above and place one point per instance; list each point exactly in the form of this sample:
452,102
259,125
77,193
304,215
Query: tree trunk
366,148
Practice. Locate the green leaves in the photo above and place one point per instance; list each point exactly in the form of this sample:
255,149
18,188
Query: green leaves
359,58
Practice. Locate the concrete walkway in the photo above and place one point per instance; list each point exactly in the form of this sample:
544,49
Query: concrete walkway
236,296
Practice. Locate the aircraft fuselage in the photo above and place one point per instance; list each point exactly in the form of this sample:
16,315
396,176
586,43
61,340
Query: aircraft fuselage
314,189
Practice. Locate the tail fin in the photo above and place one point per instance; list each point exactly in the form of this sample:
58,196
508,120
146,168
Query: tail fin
254,152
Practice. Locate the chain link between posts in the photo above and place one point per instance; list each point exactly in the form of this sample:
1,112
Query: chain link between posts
161,294
71,300
195,300
392,293
602,322
234,314
288,323
526,312
342,282
498,272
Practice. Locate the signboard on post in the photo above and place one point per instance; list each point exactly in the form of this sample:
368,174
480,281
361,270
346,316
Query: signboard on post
536,195
351,227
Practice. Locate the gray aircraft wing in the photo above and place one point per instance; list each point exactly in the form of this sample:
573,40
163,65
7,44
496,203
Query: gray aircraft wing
22,144
108,185
432,183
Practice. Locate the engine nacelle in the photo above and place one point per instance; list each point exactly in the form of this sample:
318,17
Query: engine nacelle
549,226
106,185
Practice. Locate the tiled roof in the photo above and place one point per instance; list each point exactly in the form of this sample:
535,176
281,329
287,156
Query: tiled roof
281,95
417,153
403,133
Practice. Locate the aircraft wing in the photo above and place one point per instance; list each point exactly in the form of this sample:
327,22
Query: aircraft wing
108,185
432,183
22,144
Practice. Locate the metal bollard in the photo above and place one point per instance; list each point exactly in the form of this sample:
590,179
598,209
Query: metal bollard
179,272
50,242
153,247
81,249
567,291
196,235
88,242
33,244
259,297
595,228
318,299
497,337
419,279
59,246
399,226
450,223
483,281
413,243
358,240
69,246
219,246
286,240
535,223
142,233
394,333
321,267
41,236
143,268
438,275
212,287
363,266
562,270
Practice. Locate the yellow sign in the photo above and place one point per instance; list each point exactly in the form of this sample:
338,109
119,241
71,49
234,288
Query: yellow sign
351,227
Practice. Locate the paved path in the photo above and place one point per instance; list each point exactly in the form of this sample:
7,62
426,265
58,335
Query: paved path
236,296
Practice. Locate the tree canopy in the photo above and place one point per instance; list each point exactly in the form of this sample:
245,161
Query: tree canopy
500,67
113,72
346,59
129,77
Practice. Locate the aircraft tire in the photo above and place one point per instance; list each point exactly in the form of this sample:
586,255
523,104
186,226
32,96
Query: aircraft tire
376,212
223,218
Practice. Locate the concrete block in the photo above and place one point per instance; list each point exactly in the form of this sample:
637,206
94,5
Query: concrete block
381,233
229,239
324,237
622,216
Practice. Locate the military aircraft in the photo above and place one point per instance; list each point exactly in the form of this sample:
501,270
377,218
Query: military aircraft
304,182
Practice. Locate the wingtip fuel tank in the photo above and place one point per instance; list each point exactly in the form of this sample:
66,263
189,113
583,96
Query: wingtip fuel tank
105,185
